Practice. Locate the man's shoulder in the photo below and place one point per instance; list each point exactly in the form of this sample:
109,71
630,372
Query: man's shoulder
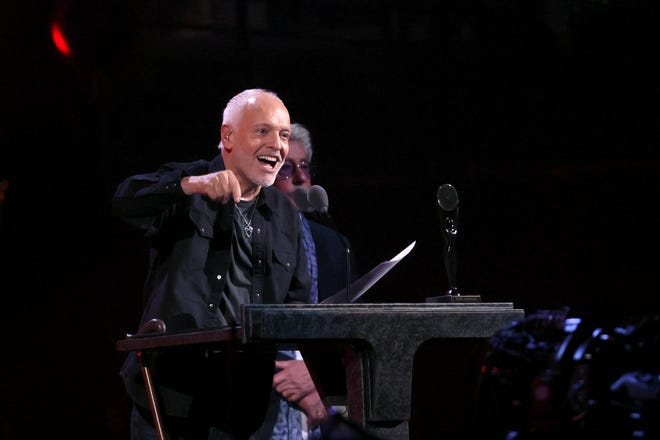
315,225
198,166
319,230
278,202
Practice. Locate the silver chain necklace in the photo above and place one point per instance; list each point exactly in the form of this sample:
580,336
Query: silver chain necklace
247,229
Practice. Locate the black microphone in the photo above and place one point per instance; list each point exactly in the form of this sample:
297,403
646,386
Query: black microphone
318,200
300,197
448,202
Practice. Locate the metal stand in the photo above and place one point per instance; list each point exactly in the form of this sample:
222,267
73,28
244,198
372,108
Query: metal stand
153,326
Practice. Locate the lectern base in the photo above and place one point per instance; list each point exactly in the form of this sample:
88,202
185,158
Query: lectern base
377,365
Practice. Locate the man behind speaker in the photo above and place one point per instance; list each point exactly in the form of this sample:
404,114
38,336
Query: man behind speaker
327,251
294,178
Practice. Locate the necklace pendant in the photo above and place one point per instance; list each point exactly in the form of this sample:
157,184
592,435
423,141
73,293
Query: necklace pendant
248,230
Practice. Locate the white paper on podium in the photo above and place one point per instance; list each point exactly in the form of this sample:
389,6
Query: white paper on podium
363,284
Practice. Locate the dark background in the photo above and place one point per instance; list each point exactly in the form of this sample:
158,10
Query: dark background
542,114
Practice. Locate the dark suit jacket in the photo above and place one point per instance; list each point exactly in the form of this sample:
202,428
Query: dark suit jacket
331,259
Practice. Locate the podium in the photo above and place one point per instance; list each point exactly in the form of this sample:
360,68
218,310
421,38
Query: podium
376,342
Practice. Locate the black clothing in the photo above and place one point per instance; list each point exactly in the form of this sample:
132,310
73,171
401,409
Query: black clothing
191,251
331,259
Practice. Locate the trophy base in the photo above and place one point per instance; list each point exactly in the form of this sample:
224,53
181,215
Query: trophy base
454,299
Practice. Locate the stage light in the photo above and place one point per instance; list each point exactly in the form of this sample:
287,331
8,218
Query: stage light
59,40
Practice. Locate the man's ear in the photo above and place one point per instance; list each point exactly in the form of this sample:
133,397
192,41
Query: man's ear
225,135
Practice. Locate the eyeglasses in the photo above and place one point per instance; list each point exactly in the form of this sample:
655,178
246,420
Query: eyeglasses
289,169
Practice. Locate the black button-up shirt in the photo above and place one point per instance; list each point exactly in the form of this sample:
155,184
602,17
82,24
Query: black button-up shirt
190,253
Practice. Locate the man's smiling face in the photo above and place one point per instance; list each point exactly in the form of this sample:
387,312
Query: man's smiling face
259,142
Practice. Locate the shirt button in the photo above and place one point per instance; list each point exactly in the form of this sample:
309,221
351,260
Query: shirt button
259,261
219,276
258,230
288,264
258,293
211,305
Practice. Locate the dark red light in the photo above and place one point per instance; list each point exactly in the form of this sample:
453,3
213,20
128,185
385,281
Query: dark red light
59,40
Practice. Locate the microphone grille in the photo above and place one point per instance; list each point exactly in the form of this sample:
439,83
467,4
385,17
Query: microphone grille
301,200
318,198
